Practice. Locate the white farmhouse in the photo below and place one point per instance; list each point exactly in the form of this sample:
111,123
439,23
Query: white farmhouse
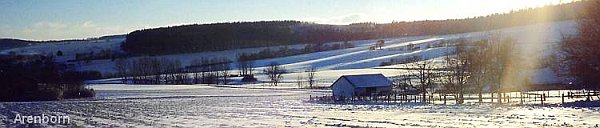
349,86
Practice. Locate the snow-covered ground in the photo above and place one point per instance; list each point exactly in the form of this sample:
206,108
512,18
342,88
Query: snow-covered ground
70,48
260,105
206,106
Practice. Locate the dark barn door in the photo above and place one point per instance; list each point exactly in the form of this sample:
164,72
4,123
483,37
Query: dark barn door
371,90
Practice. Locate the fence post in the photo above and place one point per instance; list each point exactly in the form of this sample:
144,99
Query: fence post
521,97
543,98
444,99
492,95
562,97
509,96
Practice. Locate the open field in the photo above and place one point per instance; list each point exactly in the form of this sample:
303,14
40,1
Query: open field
206,106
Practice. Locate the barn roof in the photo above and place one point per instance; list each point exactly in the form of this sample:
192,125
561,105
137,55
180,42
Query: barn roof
367,80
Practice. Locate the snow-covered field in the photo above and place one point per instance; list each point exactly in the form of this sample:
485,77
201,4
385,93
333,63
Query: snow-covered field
257,105
206,106
535,41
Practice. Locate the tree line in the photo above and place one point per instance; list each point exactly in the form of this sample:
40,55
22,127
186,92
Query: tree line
150,70
224,36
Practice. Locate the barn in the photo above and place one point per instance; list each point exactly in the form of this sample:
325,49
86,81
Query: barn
349,86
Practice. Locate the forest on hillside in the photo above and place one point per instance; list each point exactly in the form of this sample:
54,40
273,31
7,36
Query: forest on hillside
224,36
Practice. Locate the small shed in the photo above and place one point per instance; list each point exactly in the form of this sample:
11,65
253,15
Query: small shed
348,86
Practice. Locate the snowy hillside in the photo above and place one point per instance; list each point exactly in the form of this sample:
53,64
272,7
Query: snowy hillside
70,48
536,39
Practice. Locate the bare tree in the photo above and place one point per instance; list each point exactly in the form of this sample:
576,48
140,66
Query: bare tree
380,44
194,66
579,53
168,69
274,71
423,72
246,67
179,74
495,63
206,70
299,81
408,73
310,72
478,68
132,71
457,65
224,71
504,54
155,70
404,80
143,70
122,67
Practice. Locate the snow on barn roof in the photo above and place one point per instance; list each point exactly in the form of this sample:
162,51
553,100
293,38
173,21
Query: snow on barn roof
367,80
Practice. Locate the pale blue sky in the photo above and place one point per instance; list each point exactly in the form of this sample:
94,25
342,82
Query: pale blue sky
71,19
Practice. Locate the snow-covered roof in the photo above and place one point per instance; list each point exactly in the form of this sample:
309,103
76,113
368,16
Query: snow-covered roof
367,80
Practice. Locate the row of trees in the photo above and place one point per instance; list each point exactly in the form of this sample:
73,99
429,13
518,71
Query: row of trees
148,70
469,66
216,70
224,36
495,64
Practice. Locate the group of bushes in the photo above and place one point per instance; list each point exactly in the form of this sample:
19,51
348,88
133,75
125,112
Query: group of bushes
286,51
401,60
102,54
37,77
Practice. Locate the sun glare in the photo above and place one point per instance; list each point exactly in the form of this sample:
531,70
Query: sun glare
529,47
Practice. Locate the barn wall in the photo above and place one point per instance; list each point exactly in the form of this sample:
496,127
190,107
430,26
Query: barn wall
342,88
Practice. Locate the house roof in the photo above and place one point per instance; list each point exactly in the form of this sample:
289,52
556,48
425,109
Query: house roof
367,80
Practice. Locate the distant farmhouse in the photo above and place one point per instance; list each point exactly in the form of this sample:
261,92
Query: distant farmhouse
349,86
